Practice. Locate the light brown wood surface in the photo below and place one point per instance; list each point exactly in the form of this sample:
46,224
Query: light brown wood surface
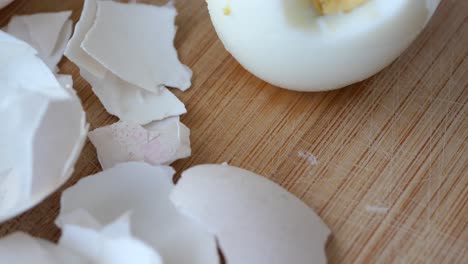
398,140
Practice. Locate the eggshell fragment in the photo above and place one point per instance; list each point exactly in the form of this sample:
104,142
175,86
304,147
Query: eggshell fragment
39,147
110,244
144,191
131,103
123,99
135,42
62,41
12,46
20,248
48,33
79,217
74,51
158,143
255,220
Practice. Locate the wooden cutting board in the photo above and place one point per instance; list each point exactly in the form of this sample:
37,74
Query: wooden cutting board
384,162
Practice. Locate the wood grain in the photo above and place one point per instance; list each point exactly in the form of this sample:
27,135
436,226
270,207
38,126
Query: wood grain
398,140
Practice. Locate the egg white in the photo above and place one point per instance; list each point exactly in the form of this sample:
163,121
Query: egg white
288,44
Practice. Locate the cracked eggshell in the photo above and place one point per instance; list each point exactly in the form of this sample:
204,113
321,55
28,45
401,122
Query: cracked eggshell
14,246
79,217
48,33
17,60
62,42
74,51
288,44
142,36
39,146
113,243
131,103
12,46
255,220
144,190
120,98
158,143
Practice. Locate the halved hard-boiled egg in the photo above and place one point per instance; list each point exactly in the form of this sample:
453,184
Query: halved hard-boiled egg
317,45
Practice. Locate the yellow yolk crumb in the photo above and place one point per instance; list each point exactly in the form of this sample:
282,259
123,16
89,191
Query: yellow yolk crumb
328,7
227,11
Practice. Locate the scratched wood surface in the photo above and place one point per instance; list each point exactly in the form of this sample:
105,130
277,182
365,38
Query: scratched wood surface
384,162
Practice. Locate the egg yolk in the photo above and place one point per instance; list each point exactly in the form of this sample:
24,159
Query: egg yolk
328,7
227,11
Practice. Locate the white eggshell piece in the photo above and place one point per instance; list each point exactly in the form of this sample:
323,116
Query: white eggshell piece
39,146
12,245
287,43
61,255
12,46
125,100
131,103
4,3
48,33
110,244
135,42
144,191
255,220
40,79
158,143
20,248
62,42
74,51
79,217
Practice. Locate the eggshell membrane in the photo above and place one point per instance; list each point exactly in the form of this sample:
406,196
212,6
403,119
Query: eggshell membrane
288,45
144,191
255,220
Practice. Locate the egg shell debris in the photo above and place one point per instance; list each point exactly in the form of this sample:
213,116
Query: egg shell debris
130,76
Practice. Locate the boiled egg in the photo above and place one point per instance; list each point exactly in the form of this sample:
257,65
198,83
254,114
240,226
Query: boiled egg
317,45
